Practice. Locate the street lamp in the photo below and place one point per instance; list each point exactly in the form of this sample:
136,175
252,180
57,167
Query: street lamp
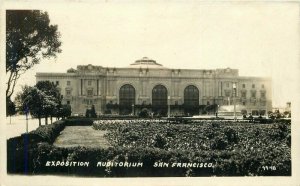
132,106
217,111
234,101
168,106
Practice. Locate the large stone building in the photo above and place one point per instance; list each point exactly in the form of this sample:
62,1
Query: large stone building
145,84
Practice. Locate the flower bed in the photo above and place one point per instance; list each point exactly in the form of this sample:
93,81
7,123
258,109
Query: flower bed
251,146
227,148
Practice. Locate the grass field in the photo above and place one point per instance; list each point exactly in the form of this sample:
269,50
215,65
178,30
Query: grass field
86,136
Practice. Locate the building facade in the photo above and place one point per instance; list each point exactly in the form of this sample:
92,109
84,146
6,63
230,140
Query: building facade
145,84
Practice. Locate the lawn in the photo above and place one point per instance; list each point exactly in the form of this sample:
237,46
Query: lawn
73,136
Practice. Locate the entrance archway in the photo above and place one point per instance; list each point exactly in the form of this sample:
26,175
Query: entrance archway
160,100
191,100
126,99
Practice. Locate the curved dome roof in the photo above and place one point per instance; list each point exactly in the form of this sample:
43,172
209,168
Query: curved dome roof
145,63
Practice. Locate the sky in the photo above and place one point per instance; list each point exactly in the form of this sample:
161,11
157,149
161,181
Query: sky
259,39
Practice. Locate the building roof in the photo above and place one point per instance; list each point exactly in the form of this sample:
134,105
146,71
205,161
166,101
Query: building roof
146,63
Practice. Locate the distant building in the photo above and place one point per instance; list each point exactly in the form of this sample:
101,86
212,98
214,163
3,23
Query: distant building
287,108
145,84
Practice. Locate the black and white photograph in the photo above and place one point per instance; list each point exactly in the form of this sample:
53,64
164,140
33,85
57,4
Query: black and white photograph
155,92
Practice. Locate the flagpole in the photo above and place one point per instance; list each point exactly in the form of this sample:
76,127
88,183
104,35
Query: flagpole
234,100
26,142
26,123
26,112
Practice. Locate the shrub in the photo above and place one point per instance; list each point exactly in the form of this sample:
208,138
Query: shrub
218,144
159,141
215,125
232,135
144,113
288,140
79,122
47,133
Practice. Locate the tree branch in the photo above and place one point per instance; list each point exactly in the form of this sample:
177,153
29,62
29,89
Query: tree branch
9,83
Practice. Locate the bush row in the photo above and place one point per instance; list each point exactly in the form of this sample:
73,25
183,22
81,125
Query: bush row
235,149
223,163
107,117
48,133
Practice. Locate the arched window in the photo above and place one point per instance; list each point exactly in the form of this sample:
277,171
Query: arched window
126,99
160,100
191,100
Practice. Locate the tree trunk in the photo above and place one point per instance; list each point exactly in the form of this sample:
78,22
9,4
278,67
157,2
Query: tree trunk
51,119
46,120
40,122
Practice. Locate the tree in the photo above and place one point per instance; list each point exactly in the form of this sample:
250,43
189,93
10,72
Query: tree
52,98
42,99
33,98
93,112
29,38
64,111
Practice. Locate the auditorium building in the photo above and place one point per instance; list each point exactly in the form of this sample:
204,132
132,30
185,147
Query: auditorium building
146,84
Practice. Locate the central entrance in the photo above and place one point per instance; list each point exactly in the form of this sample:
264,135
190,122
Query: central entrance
127,99
160,100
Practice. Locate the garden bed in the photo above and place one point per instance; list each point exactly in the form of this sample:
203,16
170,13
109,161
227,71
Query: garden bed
202,148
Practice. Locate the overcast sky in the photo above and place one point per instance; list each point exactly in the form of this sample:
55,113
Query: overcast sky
259,39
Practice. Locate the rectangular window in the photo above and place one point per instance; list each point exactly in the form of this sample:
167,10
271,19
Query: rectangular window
57,82
262,112
89,102
227,94
262,86
244,86
68,83
89,82
263,95
253,85
68,92
253,94
255,112
68,102
90,92
244,103
243,94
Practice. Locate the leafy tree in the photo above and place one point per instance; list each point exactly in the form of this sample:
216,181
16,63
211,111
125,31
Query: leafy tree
52,98
93,112
43,100
64,111
33,98
29,38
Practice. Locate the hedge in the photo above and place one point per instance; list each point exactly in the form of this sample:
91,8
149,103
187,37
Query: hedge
225,163
29,154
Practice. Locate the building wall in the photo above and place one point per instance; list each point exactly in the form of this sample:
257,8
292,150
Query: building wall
96,85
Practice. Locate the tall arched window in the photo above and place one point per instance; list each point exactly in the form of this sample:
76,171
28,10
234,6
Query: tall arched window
160,100
126,99
191,100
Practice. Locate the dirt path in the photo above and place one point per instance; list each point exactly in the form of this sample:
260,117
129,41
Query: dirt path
86,136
